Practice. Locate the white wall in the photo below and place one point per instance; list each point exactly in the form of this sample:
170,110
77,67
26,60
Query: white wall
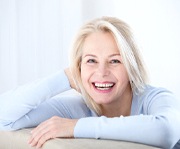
35,36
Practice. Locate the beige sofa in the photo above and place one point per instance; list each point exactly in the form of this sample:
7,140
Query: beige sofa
18,140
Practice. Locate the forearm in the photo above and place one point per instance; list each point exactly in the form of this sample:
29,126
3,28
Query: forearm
69,105
16,103
146,129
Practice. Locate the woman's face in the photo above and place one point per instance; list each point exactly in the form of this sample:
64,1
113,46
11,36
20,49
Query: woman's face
104,77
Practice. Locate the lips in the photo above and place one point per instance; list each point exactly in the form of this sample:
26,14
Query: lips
103,86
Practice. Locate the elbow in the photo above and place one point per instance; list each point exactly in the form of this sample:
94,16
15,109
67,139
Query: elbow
171,137
6,126
170,131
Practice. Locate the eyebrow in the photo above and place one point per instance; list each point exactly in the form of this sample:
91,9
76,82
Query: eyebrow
92,55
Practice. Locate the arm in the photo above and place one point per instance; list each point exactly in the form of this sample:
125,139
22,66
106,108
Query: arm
18,102
158,125
58,121
68,105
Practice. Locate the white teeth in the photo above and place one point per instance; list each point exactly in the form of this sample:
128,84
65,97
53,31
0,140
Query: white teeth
106,85
103,89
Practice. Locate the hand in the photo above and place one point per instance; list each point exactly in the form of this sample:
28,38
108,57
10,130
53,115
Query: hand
70,78
52,128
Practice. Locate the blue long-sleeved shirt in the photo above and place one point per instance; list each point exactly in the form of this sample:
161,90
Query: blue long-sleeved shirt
154,119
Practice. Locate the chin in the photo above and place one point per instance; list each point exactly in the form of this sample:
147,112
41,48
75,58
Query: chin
104,102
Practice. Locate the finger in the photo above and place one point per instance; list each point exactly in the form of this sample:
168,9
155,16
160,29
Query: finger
43,139
44,128
39,126
37,130
35,139
37,134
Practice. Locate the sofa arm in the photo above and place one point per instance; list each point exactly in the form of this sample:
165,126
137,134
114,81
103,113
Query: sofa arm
18,140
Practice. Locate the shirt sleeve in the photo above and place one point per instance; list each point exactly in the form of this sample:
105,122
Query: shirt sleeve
67,105
158,125
17,102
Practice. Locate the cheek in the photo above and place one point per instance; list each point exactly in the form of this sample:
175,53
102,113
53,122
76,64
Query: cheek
84,75
123,76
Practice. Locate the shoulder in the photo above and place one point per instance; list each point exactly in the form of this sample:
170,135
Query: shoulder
151,92
155,97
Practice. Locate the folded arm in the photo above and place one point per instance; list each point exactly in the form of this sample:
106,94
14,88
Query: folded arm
158,124
17,102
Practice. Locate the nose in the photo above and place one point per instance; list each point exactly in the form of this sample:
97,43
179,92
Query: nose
103,70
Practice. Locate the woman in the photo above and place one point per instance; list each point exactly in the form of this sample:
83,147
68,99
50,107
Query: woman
117,102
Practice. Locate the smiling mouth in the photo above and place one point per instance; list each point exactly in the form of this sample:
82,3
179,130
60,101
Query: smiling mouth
103,86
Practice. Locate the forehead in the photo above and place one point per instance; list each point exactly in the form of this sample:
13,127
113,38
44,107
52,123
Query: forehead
100,42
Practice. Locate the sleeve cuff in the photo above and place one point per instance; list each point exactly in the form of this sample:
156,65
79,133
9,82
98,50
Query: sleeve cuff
86,128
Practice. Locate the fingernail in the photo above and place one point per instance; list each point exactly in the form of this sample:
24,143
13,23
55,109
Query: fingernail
30,144
29,140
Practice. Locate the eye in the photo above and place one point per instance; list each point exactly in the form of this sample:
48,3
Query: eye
115,61
91,61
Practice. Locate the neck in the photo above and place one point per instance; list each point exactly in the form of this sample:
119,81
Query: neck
120,108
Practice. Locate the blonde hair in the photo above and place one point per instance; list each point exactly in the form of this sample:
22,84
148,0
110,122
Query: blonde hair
128,49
